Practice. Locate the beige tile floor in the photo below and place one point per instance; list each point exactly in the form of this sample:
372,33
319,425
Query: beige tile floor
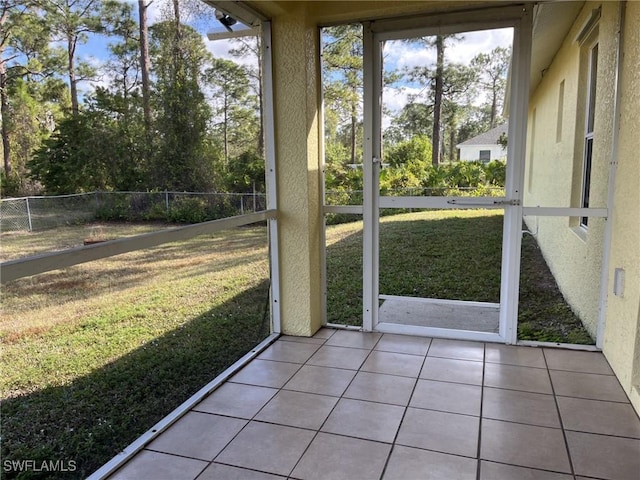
350,405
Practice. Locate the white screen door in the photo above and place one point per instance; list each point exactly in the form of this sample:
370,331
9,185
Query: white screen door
445,107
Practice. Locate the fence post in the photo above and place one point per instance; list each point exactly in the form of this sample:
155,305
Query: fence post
166,200
254,196
241,204
29,215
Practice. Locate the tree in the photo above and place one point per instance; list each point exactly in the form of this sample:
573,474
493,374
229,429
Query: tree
438,78
30,94
232,102
16,22
253,47
123,66
437,99
415,118
73,159
70,21
491,69
145,65
342,62
179,57
121,105
449,86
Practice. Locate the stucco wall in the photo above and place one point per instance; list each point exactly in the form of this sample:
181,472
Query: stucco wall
296,87
622,329
553,167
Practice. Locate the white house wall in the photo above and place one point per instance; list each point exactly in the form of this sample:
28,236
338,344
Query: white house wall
471,153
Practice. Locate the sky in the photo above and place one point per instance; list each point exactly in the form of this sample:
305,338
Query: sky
398,55
96,51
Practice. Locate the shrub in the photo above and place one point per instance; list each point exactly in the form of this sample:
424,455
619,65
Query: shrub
188,210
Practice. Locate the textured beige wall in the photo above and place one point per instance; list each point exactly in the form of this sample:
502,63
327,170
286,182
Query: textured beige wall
622,330
296,78
553,168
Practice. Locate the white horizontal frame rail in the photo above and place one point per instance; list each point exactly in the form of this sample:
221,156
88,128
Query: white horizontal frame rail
353,209
443,202
25,267
447,23
435,332
564,212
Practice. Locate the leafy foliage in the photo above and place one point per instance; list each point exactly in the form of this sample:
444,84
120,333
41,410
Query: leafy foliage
110,138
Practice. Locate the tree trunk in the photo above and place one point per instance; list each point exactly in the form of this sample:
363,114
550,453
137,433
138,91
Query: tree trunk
494,105
73,82
226,133
4,101
176,12
260,101
145,64
452,144
437,104
354,128
4,114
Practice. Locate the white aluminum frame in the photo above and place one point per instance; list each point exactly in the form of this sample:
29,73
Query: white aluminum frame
270,173
520,19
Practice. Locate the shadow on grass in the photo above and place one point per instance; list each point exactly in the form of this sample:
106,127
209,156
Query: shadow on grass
457,258
96,416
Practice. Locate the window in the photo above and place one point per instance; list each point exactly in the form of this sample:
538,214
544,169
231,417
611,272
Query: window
485,155
588,135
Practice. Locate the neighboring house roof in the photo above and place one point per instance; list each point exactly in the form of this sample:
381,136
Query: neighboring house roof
487,138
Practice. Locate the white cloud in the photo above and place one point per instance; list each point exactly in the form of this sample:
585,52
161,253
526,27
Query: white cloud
394,99
400,55
220,49
474,43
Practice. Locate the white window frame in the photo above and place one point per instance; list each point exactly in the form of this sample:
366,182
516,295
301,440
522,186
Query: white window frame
587,155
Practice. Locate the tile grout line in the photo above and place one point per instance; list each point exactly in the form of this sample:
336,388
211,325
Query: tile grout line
317,431
245,426
279,389
564,433
406,408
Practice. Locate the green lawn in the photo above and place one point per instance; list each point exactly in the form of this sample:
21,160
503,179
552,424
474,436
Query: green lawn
450,255
94,355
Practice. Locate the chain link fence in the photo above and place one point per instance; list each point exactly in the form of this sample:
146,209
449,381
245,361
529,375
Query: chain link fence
41,213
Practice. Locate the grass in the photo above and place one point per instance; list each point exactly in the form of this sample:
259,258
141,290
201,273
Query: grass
451,255
95,354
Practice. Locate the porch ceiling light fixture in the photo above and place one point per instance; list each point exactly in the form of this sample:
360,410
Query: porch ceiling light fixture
230,13
226,20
